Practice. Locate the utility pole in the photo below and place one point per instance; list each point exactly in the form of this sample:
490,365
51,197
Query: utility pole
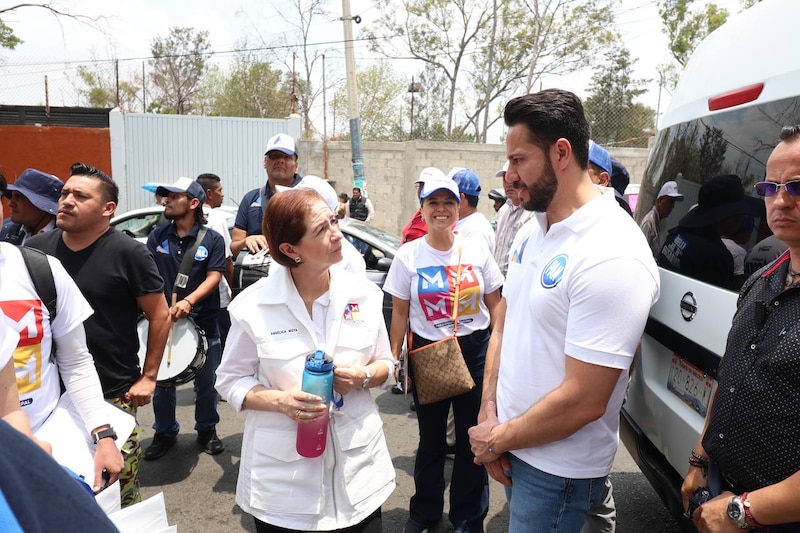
352,98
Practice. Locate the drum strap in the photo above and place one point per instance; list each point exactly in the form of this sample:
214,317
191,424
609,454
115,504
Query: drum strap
182,279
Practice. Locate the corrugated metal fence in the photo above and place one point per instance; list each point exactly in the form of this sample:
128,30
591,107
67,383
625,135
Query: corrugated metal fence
161,148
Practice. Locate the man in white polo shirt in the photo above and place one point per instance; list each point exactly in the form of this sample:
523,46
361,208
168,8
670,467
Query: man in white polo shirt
553,385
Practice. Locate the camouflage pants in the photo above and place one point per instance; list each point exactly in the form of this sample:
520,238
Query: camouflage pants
132,453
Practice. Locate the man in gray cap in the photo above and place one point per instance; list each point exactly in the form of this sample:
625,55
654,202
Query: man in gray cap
32,207
652,223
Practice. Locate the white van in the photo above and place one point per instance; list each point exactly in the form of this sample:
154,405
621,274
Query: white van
741,86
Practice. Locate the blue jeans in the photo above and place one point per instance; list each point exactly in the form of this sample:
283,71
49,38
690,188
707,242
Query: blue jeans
205,404
545,503
469,486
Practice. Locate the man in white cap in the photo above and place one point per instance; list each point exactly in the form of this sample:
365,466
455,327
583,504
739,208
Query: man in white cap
32,206
652,222
280,162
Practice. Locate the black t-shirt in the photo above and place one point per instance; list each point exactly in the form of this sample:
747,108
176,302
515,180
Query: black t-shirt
111,274
700,254
41,495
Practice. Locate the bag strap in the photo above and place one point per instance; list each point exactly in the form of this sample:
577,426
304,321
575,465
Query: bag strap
456,303
182,279
43,283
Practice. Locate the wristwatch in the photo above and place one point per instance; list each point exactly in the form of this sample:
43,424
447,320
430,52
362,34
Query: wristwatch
736,513
104,433
365,383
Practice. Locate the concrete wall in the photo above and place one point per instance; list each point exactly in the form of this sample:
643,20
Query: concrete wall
391,169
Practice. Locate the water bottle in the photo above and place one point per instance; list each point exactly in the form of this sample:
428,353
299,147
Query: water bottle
317,380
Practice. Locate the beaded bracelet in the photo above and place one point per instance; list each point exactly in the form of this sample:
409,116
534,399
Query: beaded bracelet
699,457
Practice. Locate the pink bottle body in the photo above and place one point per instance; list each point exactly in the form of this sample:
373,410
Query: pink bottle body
311,438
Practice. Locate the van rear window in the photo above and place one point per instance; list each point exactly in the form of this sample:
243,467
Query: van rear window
738,141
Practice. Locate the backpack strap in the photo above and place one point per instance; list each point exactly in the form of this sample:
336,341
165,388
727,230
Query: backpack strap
43,283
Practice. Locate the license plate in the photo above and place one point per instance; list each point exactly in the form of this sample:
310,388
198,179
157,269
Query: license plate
690,384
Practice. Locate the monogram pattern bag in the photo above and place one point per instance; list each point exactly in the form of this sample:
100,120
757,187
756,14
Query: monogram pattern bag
440,371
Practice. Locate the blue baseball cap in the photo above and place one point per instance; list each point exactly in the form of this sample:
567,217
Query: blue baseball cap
184,186
468,182
41,189
600,157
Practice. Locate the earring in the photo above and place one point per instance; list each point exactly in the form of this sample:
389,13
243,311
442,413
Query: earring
298,260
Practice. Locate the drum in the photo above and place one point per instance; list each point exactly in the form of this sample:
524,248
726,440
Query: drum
248,269
189,348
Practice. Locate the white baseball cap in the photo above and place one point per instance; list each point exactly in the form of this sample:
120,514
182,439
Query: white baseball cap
437,184
502,172
429,173
670,189
283,143
315,183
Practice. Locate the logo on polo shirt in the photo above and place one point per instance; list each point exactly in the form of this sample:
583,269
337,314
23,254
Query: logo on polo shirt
554,271
163,248
201,254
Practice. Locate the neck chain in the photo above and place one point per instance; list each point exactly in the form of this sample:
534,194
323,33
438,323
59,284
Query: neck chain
790,276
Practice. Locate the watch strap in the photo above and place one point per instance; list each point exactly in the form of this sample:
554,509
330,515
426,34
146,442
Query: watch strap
104,434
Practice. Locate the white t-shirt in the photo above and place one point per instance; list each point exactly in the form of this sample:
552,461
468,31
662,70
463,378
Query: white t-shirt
8,341
217,222
738,253
37,376
583,289
426,278
476,225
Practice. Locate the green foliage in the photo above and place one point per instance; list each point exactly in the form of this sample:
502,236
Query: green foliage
252,88
610,107
99,89
685,28
179,65
380,97
7,37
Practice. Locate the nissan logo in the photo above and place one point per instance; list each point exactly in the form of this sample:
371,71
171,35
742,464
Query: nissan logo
688,307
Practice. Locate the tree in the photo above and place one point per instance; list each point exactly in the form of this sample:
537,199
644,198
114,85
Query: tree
99,87
610,107
429,114
9,40
380,96
294,50
252,88
685,28
178,66
489,51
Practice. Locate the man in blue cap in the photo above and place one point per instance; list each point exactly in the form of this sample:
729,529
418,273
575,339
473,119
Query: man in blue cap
197,297
470,221
32,207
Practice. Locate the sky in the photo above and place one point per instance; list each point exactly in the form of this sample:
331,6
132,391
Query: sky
54,48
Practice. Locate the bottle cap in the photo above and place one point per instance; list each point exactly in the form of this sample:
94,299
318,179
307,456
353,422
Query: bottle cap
319,361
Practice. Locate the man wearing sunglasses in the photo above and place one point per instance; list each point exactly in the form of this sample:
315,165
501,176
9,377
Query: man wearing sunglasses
747,454
280,163
695,248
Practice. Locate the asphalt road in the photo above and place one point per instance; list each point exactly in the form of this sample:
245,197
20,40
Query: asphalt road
199,489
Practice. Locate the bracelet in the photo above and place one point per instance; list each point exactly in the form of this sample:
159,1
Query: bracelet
748,515
191,306
698,464
700,458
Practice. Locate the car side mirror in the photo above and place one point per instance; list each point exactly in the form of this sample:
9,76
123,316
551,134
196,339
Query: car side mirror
383,264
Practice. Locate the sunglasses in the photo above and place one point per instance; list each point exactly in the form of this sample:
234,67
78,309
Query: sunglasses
770,188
